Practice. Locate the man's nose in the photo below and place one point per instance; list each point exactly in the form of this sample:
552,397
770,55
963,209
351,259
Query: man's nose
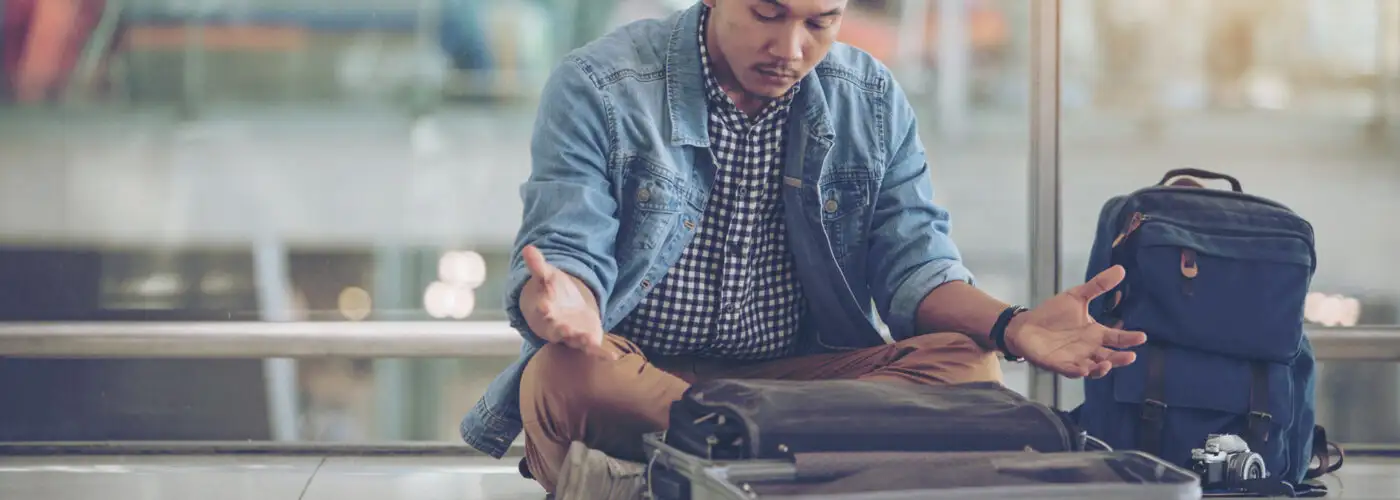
788,45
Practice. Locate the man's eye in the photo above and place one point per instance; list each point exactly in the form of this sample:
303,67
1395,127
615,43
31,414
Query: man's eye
766,17
818,25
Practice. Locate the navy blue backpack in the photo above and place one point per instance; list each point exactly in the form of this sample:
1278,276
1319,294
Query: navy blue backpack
1217,280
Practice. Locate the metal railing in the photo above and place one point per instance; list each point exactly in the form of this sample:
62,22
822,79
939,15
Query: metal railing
391,339
1372,343
278,344
409,339
205,448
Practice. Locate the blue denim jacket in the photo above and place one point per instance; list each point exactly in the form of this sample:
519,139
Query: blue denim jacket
622,171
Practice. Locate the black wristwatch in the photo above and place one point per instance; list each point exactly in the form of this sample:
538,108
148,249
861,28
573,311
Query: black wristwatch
999,331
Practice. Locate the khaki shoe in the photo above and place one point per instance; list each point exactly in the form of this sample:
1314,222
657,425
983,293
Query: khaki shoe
592,475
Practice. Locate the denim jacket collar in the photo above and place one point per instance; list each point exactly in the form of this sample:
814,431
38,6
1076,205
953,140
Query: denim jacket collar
685,83
816,121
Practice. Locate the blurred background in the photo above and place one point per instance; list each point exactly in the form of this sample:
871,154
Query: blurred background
350,162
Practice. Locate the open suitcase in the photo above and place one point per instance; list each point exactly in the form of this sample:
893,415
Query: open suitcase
674,475
750,439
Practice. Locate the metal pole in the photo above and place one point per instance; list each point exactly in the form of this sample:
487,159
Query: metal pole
195,64
910,48
954,67
428,77
1045,173
392,378
274,299
1388,20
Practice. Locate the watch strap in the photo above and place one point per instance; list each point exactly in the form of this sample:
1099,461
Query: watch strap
999,331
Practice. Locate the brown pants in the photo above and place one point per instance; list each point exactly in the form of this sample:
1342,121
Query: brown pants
566,395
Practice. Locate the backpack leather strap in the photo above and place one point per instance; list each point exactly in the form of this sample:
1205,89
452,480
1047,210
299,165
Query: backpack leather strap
1259,416
1322,451
1154,406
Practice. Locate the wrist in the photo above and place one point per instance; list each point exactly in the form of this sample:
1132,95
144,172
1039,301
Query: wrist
1013,333
1008,327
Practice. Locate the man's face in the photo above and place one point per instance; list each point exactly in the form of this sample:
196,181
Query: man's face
771,44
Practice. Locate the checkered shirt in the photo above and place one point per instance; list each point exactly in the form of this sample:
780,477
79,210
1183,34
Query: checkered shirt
733,294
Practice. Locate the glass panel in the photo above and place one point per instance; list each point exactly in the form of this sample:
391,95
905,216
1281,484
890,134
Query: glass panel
352,160
338,399
264,160
1296,98
163,156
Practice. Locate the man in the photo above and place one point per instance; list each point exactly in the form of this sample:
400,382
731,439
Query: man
729,192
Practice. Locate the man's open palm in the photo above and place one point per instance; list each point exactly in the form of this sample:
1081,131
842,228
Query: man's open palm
569,319
1060,336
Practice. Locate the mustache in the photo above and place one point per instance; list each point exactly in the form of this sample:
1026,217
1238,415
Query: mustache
777,69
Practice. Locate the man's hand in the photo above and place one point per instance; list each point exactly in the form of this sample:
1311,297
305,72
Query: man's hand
1060,336
557,310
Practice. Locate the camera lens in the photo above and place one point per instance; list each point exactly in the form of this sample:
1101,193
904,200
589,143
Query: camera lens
1256,470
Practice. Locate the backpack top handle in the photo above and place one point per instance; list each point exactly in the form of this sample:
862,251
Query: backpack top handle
1201,174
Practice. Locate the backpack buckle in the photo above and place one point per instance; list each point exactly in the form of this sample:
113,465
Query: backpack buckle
1258,428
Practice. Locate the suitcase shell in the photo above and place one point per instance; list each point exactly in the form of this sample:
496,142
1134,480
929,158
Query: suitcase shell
716,480
728,419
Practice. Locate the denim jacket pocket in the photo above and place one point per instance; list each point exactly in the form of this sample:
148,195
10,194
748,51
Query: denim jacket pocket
650,201
844,201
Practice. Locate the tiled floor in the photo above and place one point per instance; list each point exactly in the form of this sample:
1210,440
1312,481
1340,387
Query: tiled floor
377,478
261,478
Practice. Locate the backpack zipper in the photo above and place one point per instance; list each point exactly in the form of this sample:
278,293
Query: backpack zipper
1190,269
1232,231
1133,225
1139,218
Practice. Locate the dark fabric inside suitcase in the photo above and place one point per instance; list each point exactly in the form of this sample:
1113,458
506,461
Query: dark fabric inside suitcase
846,473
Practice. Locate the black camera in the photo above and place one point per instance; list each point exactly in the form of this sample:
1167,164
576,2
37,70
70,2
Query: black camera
1225,461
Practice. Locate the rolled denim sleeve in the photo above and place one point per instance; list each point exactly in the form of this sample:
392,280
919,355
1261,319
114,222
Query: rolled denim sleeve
569,210
912,251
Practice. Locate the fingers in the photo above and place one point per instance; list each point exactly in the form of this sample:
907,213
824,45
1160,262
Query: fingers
1079,368
590,342
601,352
1096,364
1100,285
1086,368
534,260
590,348
1123,339
1101,361
1100,369
1114,358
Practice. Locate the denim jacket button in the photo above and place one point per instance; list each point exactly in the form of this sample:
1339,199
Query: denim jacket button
831,206
690,225
646,284
644,195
